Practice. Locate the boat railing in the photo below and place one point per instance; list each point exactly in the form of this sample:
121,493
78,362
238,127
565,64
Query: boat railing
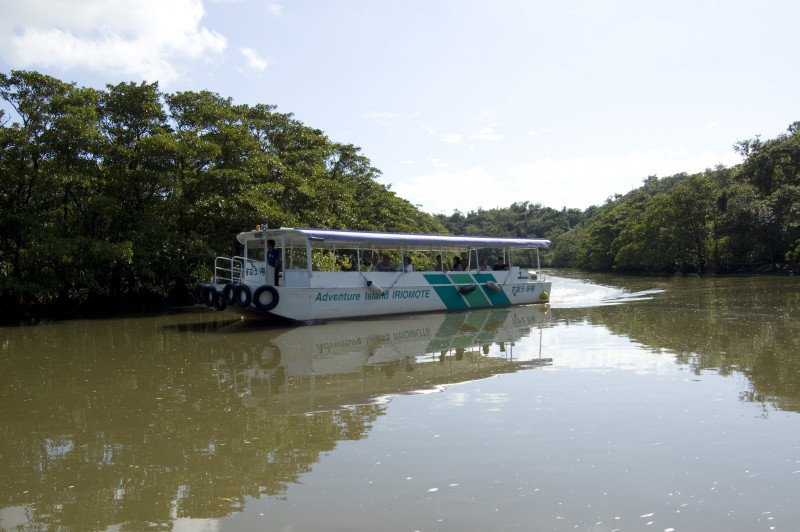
228,270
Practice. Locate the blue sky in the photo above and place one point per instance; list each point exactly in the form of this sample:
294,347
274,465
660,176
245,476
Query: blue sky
461,104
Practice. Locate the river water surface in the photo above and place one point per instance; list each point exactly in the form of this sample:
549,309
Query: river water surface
626,404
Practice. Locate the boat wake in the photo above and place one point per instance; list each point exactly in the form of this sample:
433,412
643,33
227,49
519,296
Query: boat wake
580,293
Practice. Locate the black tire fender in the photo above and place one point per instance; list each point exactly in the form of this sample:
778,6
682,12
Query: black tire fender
228,294
220,303
467,288
242,296
265,307
209,295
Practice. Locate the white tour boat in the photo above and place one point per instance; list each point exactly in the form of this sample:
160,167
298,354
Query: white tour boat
321,274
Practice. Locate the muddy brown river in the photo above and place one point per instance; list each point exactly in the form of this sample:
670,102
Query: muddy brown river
628,403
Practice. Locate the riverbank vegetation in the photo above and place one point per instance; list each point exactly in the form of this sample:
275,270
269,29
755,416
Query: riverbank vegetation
120,198
744,219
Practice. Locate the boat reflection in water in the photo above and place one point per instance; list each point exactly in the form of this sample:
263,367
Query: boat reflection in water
339,364
134,424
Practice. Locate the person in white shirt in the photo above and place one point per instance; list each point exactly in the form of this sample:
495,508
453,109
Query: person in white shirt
407,266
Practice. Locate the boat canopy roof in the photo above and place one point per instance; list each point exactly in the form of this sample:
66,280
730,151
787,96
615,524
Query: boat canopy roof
339,239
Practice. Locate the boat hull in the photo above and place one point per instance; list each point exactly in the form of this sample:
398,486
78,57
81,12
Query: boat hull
389,293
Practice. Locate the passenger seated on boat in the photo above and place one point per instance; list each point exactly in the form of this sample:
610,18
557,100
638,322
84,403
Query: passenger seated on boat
439,266
407,266
485,266
501,264
374,266
274,258
386,265
457,265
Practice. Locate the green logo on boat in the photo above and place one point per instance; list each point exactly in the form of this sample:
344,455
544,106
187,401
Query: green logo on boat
454,289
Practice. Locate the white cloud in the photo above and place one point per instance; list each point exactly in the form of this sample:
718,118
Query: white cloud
488,116
450,138
141,38
539,131
438,163
382,116
573,183
582,182
275,9
448,190
486,133
254,61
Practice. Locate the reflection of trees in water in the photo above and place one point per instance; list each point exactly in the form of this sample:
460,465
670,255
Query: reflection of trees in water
136,423
134,428
730,325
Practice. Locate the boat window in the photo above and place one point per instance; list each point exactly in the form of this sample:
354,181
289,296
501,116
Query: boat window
524,258
255,252
347,259
296,258
324,260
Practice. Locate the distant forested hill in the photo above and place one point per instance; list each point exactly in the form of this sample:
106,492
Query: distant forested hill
725,220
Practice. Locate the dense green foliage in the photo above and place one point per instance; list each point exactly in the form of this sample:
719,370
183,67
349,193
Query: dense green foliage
724,220
127,194
521,220
124,195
